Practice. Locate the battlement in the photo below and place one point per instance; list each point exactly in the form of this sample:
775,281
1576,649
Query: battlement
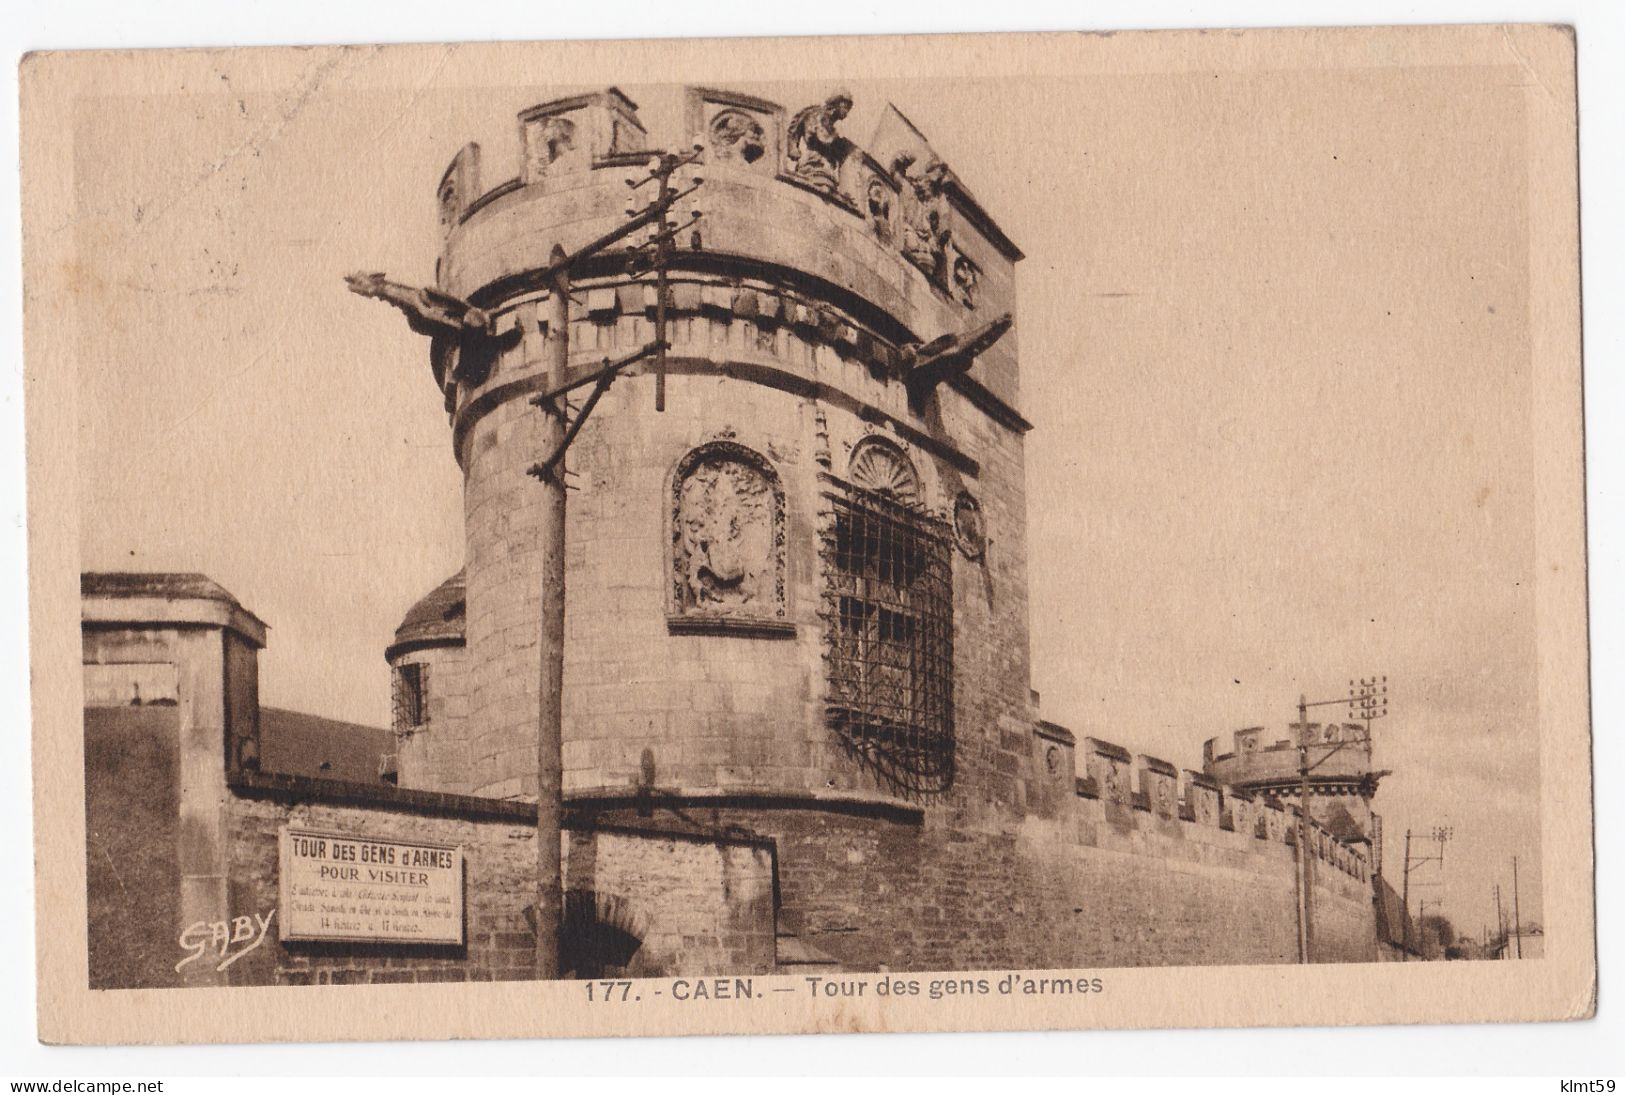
1341,755
1187,802
874,246
601,130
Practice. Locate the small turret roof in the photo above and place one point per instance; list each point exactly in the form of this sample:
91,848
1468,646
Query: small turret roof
437,619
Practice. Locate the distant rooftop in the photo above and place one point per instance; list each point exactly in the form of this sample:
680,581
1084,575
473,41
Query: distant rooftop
297,744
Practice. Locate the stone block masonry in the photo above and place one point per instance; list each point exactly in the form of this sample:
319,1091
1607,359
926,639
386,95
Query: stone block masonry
1101,885
665,883
797,713
683,901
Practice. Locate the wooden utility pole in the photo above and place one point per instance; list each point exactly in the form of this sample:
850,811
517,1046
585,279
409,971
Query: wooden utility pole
1367,701
554,436
550,714
1405,903
1500,921
1303,829
1441,835
1517,918
452,321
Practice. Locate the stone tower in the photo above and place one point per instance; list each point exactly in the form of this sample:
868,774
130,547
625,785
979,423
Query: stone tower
797,597
1340,789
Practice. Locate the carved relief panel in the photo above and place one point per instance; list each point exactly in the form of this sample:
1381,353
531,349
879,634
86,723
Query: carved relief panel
736,135
964,278
1244,814
552,145
878,200
1110,771
970,527
1160,791
736,130
1202,799
727,542
879,465
1274,822
568,135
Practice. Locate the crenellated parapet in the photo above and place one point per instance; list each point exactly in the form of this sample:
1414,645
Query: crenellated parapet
1251,759
810,251
1127,786
1342,782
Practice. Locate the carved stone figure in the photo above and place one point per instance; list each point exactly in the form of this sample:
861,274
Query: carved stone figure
737,135
1242,818
947,356
925,215
550,138
428,311
879,201
813,146
967,279
1165,798
728,534
1112,786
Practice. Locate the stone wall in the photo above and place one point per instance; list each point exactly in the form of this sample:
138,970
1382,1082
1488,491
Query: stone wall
1100,885
695,903
131,872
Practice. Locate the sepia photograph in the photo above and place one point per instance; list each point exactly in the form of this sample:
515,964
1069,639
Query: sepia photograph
861,534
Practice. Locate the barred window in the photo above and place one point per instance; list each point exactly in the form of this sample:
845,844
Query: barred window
411,696
889,637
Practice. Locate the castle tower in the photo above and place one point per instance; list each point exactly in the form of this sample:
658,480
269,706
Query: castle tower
798,596
797,580
1340,788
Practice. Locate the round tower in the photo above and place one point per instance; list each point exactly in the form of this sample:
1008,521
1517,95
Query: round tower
1341,786
804,581
428,689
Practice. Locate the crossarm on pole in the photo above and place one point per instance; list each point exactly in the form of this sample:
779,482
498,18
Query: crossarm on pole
601,380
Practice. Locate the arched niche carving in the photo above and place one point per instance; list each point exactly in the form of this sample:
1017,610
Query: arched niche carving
878,465
727,543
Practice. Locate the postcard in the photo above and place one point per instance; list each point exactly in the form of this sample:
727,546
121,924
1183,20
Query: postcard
806,535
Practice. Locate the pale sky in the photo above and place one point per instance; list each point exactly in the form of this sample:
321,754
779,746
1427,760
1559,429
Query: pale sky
1273,336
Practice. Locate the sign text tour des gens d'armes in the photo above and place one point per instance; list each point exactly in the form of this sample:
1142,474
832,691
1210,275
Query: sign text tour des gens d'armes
368,889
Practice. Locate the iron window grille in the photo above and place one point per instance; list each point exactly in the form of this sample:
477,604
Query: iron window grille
889,636
411,697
